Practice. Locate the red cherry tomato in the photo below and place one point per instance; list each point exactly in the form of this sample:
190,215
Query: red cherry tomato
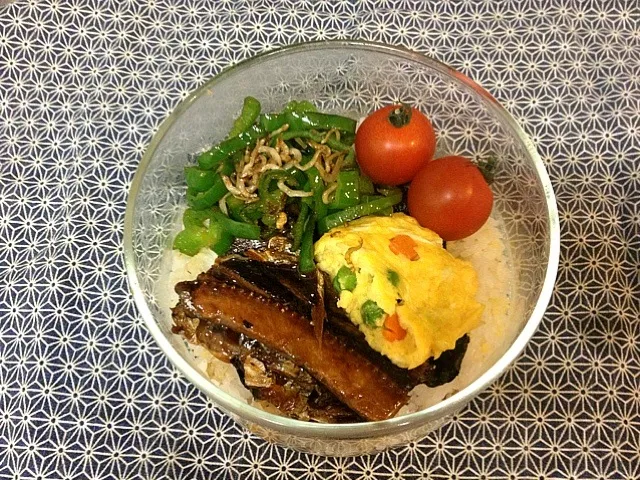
393,143
451,197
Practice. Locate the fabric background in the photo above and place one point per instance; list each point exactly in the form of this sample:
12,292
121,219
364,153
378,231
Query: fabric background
85,393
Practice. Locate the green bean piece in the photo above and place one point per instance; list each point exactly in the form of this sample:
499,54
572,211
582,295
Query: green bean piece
236,229
345,279
371,313
298,227
306,263
210,159
347,192
357,211
199,180
208,198
248,115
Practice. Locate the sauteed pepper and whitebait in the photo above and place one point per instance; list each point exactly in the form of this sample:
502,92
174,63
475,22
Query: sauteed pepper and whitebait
289,173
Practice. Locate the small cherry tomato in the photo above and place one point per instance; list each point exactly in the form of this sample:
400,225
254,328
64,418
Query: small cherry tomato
393,143
451,197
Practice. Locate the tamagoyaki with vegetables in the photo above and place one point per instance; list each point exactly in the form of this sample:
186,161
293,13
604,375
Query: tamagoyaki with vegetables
410,297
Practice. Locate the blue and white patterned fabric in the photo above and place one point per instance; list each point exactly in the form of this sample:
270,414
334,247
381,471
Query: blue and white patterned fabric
84,391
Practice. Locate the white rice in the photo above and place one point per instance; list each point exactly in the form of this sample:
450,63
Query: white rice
487,252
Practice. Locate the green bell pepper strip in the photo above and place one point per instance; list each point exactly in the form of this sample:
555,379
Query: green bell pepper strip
275,175
369,198
191,240
211,159
306,121
248,115
365,185
317,187
349,159
235,207
301,106
208,198
271,205
371,313
267,208
272,201
199,180
271,122
195,218
316,137
385,212
223,245
388,191
347,192
236,229
298,227
357,211
252,212
348,139
299,176
322,121
221,240
345,279
306,263
194,238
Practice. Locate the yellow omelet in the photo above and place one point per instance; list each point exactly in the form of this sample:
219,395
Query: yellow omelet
431,292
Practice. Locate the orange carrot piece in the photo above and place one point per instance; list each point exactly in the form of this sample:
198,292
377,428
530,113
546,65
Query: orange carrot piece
404,245
392,330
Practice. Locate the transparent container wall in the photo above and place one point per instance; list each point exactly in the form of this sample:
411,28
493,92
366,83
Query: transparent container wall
352,82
